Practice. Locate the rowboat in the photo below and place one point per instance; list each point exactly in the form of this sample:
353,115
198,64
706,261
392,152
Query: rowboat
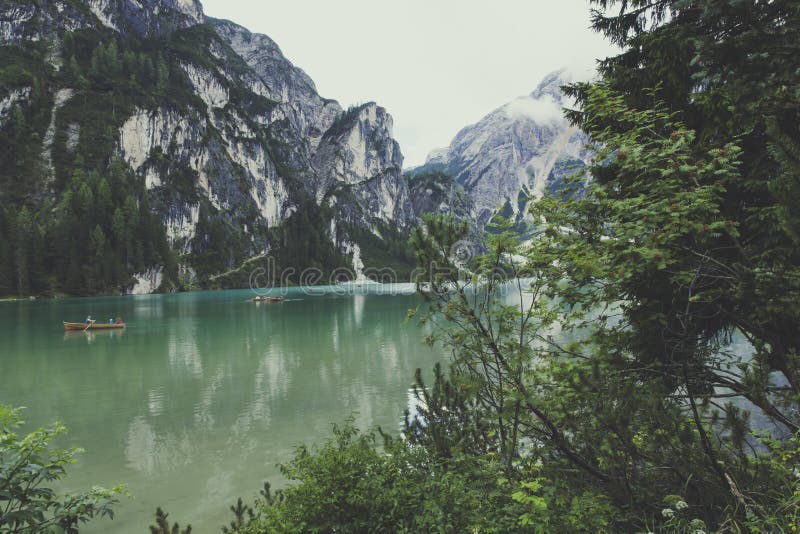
267,299
92,326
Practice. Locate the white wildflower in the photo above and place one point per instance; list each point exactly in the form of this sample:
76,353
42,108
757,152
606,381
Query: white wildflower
680,505
668,513
697,526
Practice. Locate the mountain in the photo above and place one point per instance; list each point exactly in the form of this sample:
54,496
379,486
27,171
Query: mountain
522,149
145,146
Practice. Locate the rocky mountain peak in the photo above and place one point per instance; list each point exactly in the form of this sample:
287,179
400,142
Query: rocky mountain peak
552,83
363,119
148,18
265,56
522,148
358,159
280,80
227,143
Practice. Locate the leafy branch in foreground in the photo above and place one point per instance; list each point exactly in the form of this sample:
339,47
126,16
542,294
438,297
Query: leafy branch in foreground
27,464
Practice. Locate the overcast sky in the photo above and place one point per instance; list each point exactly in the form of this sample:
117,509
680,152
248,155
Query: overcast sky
435,65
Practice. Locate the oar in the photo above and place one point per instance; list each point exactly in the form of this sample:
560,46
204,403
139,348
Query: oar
88,325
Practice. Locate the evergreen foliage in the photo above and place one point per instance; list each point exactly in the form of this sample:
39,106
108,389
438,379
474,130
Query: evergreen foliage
162,525
733,91
304,242
103,231
92,228
389,252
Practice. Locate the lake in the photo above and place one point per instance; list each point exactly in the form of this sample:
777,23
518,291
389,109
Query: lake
199,398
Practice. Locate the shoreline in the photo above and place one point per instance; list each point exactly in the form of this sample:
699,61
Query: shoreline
346,286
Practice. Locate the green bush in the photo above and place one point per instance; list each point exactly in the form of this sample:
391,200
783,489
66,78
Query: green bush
28,465
350,485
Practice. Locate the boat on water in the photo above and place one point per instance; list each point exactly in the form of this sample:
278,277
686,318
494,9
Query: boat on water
92,326
267,299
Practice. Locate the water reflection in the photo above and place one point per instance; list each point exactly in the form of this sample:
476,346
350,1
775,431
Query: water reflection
358,309
90,336
155,404
203,412
184,355
148,452
206,392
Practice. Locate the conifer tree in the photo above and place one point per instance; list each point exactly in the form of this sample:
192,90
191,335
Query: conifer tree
23,238
113,64
161,75
97,65
726,78
162,525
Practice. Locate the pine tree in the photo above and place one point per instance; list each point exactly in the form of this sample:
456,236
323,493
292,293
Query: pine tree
122,235
162,525
72,71
68,45
725,78
97,65
7,284
162,75
97,241
113,65
23,239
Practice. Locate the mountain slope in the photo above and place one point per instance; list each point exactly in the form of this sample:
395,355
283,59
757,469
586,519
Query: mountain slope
521,149
158,147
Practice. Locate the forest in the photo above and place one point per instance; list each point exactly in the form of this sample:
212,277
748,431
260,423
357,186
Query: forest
74,217
91,227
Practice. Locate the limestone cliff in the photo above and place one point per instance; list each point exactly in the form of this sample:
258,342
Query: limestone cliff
521,149
229,139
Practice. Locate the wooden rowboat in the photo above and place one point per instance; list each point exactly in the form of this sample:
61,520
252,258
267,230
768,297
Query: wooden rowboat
267,299
92,326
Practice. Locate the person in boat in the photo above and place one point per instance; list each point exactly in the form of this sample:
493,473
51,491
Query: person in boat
88,319
119,320
111,321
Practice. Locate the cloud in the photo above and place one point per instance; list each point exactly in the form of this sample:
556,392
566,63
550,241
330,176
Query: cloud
542,110
579,71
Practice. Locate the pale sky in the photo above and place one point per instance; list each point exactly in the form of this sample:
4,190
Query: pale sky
435,65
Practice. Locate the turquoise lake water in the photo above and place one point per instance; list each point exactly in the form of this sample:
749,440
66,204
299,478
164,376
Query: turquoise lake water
199,398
